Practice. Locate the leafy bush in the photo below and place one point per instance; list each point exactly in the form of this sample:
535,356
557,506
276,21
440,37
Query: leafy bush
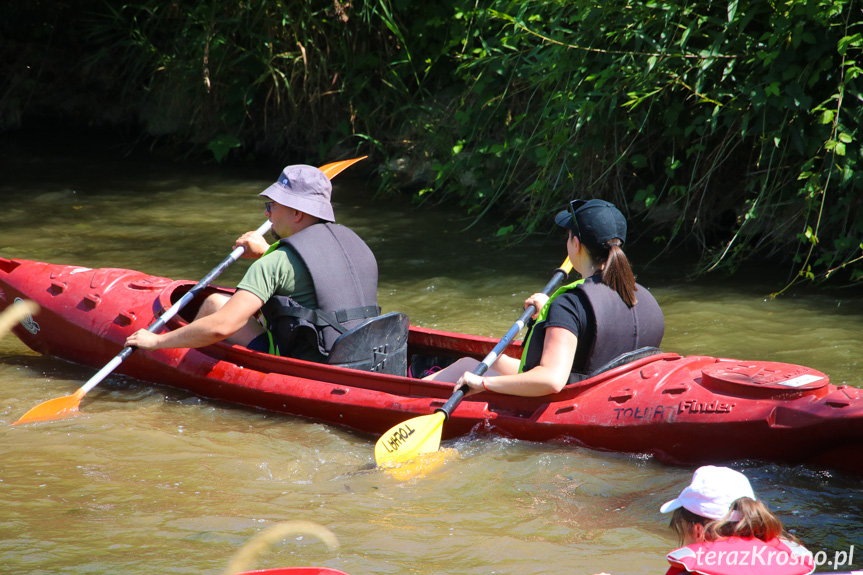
731,126
736,125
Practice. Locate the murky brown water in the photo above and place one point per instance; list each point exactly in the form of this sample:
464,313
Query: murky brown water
151,480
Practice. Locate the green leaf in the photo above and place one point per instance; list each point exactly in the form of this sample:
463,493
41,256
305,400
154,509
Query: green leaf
732,10
220,146
854,41
773,89
638,161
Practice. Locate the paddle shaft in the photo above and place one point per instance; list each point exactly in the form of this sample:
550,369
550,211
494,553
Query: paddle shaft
486,363
171,312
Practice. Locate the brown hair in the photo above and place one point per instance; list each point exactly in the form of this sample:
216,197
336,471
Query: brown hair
617,273
756,521
682,522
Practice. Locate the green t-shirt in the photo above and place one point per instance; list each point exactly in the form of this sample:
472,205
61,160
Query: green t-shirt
280,272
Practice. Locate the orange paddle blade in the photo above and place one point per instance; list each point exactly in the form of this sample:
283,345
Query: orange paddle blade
409,439
334,169
53,408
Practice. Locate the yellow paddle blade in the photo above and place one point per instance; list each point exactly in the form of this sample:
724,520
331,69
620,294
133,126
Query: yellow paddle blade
567,265
409,439
53,408
424,464
334,169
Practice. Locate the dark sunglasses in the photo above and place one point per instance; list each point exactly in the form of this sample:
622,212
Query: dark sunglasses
573,206
268,206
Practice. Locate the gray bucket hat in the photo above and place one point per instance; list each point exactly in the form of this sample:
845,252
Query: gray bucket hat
304,188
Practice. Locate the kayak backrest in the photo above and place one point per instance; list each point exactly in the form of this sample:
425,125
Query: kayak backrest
378,344
625,358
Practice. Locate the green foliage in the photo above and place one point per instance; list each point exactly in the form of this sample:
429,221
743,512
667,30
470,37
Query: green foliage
278,77
732,125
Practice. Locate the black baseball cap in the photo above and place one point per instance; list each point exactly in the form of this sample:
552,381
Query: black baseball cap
594,222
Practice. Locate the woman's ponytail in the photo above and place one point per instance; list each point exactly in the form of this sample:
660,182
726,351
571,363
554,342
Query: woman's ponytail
617,273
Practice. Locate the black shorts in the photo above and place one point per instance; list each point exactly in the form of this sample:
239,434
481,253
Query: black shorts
260,343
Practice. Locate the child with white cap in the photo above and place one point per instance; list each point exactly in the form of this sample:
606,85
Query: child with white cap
725,530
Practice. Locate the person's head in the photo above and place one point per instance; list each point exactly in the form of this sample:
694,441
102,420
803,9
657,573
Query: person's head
300,189
720,502
599,228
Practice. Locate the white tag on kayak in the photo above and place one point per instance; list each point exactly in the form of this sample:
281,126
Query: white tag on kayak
799,381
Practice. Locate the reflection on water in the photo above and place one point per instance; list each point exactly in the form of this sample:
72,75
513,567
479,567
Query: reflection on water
151,480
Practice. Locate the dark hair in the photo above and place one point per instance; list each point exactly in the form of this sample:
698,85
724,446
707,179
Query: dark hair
616,272
756,521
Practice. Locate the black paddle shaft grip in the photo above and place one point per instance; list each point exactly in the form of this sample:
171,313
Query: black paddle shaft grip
457,395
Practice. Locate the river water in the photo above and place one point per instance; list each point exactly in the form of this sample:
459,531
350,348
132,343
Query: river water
151,480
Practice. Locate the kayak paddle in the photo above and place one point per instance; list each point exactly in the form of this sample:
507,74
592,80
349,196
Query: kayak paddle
17,312
61,406
422,434
261,542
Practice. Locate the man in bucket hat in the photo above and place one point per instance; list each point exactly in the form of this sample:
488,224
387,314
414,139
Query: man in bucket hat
317,280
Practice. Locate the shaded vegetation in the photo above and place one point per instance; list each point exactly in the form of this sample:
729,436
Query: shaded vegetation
730,126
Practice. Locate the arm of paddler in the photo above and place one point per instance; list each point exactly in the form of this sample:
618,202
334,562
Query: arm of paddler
550,376
225,322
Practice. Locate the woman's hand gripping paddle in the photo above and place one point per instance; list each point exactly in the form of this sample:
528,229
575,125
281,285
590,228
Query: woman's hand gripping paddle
422,434
62,406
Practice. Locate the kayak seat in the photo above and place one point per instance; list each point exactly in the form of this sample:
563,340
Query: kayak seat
625,358
378,344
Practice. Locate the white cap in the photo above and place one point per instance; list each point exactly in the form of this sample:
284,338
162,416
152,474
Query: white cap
711,493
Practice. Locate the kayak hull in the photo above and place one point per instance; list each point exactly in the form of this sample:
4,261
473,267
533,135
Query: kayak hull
682,410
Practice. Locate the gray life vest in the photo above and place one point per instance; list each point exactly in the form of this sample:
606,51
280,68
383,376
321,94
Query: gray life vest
345,277
617,327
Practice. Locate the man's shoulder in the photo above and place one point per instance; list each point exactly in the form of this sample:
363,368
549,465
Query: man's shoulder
273,264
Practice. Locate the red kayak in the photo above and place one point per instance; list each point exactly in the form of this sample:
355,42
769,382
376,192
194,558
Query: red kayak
682,410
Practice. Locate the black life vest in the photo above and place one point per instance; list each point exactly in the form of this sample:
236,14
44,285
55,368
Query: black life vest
345,277
617,327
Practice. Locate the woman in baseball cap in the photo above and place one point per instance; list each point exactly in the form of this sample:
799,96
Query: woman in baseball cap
584,326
